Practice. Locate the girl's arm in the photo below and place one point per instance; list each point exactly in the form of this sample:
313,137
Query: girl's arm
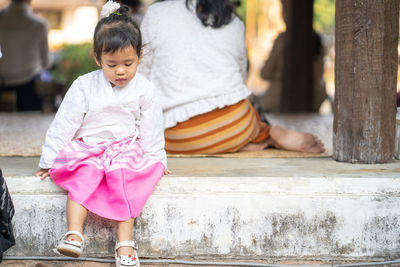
152,127
67,121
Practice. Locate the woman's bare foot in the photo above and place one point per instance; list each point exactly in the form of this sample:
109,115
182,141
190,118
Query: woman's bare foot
255,147
295,141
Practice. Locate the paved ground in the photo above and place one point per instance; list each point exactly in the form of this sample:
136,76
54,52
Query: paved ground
23,133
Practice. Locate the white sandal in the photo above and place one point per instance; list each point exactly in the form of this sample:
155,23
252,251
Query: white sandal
127,261
71,247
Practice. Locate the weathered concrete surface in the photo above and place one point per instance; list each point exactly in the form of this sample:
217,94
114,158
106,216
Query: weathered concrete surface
30,263
14,140
149,263
313,208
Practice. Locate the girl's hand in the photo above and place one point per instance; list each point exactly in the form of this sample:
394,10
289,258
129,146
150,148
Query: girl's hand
43,173
166,172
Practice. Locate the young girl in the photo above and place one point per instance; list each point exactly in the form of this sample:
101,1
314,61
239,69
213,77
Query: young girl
106,143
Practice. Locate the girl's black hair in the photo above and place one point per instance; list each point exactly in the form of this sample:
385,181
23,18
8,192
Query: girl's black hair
214,13
116,31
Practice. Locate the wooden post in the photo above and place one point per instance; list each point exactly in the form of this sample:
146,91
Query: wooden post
297,80
365,80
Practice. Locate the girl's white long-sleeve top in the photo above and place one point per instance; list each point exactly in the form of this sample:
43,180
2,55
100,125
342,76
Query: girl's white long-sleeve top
196,68
95,111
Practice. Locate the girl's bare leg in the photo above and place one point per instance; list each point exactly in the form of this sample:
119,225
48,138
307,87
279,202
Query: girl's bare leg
125,234
76,215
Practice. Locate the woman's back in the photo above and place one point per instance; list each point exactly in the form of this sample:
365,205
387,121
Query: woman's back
189,61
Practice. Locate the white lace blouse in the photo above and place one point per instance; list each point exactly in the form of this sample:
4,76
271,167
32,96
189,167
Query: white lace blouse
95,111
196,68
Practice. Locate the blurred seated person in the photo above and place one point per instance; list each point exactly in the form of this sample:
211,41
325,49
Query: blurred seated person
25,52
270,101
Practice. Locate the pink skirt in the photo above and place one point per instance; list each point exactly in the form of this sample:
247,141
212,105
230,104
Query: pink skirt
111,179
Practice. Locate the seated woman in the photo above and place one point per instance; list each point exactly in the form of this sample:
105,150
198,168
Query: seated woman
195,54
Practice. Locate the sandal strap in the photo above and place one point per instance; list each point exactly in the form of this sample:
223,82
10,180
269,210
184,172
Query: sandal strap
73,232
72,243
128,243
126,261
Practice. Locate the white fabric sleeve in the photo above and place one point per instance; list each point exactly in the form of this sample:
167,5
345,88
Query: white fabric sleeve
67,121
151,127
147,51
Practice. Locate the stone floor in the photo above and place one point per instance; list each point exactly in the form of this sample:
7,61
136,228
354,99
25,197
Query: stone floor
23,133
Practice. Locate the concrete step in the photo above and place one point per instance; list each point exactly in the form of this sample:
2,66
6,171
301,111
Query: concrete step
294,208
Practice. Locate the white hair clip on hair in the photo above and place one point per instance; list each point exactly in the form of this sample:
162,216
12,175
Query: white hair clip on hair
109,8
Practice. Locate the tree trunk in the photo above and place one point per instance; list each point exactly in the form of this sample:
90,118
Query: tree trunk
297,81
365,80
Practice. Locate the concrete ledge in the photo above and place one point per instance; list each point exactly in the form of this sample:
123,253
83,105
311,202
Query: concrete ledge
312,208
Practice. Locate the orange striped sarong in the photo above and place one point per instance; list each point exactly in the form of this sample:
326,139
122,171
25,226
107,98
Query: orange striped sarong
218,131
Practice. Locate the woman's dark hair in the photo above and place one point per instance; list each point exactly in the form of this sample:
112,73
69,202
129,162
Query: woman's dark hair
214,13
116,31
131,3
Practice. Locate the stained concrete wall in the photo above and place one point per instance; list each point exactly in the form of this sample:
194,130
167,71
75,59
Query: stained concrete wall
235,208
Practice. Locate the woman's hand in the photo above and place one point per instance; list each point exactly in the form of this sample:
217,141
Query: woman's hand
43,173
166,172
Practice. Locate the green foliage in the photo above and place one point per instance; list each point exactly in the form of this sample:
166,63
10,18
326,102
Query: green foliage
324,16
241,10
75,60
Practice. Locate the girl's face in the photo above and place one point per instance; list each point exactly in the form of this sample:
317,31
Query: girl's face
119,67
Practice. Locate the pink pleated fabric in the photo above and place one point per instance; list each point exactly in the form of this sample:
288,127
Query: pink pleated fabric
111,179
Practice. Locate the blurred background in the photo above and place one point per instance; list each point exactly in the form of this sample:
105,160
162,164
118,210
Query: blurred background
72,22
